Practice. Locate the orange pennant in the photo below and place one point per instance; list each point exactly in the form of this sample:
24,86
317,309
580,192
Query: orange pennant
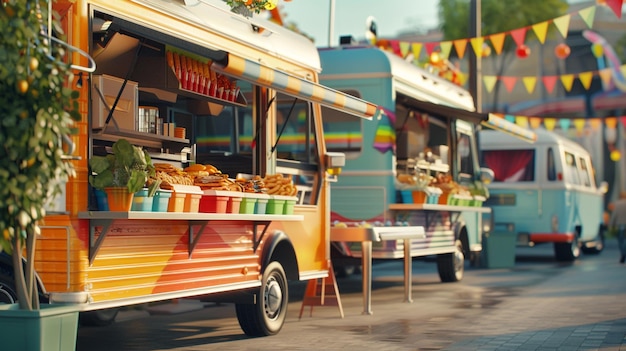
595,123
535,122
497,40
459,46
605,75
611,122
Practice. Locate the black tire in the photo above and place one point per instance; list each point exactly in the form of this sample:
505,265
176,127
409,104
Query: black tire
267,316
451,265
7,289
98,318
567,252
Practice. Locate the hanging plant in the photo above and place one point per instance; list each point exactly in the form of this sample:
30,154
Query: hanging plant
246,7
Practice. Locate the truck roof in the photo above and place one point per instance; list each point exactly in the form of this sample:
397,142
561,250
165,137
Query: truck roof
495,140
409,79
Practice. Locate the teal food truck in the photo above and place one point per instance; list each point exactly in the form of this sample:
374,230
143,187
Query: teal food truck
415,164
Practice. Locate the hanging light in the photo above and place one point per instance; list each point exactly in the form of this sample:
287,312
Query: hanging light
523,51
562,51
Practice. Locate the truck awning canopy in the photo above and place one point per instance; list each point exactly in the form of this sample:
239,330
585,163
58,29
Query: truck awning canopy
488,120
292,85
498,123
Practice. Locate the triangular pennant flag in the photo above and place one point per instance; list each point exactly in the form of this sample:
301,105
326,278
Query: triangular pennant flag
521,121
509,82
595,123
404,48
462,77
549,123
562,24
417,50
459,46
549,82
430,47
567,80
519,35
622,119
395,46
445,46
490,82
606,75
585,79
510,118
579,124
616,6
541,29
588,15
565,123
529,83
611,122
535,122
497,40
477,45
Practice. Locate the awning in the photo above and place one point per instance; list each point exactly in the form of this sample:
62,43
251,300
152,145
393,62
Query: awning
498,123
442,111
297,87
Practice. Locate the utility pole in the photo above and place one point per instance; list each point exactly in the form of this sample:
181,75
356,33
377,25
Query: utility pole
331,23
475,64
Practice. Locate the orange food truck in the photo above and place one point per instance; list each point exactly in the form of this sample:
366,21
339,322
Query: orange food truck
192,83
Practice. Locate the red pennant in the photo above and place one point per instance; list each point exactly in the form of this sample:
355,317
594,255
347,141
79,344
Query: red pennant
519,35
509,82
430,47
549,82
616,6
395,46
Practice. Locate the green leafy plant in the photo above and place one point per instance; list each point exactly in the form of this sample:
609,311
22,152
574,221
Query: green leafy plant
37,111
245,6
128,166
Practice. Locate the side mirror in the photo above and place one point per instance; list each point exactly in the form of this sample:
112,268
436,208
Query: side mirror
486,175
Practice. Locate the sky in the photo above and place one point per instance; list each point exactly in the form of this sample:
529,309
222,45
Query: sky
392,16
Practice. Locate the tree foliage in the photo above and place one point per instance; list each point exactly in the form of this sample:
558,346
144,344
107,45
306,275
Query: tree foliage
38,111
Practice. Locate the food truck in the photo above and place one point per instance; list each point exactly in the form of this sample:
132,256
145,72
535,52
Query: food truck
416,164
199,89
545,192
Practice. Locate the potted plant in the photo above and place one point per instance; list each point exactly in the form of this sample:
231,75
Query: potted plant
122,174
38,110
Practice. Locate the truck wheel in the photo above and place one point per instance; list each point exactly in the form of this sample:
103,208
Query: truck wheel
267,316
98,318
567,252
451,265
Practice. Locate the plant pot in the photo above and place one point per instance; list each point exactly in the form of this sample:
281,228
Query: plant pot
119,199
51,328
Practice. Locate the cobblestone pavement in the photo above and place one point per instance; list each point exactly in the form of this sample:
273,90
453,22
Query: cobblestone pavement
539,304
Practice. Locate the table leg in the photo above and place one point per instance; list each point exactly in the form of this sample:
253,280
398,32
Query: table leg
366,248
408,267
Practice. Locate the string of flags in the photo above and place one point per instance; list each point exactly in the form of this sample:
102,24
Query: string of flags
551,123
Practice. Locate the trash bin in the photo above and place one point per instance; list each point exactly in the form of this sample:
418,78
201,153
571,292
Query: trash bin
499,249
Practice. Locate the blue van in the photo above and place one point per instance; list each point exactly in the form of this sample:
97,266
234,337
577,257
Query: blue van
545,192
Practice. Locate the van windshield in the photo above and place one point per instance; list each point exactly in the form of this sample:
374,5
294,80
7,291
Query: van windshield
510,165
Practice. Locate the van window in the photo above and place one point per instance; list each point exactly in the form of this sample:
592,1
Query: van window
584,172
551,167
571,169
466,161
511,165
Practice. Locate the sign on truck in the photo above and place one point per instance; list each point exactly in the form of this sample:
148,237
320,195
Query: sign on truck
192,83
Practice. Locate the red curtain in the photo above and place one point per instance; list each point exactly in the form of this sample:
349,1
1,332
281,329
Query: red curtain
505,163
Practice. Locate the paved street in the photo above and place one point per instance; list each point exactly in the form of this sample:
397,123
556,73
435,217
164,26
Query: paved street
539,304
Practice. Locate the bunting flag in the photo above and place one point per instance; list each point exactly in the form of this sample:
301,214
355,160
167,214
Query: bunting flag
588,14
529,83
562,24
385,137
459,46
551,123
615,5
540,30
549,82
519,35
497,40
